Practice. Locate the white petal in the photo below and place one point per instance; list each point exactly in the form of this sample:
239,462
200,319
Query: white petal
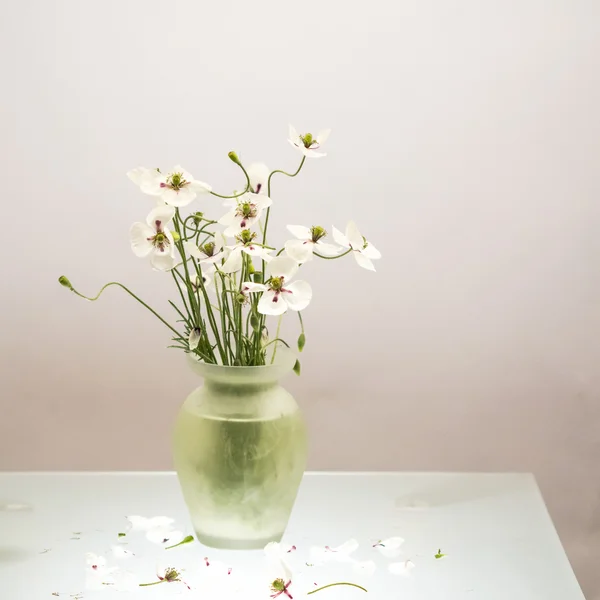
271,303
137,523
249,286
299,231
194,338
163,261
299,251
401,568
138,175
327,249
94,561
323,136
160,217
367,567
276,560
283,266
199,187
234,262
193,250
371,252
390,547
121,552
228,218
261,201
309,153
253,250
150,183
346,548
178,198
294,137
298,295
258,174
354,236
340,238
139,235
363,261
215,258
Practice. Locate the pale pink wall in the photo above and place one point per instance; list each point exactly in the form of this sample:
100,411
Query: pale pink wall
465,143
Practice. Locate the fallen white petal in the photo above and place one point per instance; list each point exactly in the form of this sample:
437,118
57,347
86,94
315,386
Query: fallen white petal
401,568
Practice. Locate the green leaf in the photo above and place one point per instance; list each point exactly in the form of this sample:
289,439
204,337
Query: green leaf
439,554
122,534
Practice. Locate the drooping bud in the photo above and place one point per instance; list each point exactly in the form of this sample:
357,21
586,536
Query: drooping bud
254,321
198,217
297,367
301,341
65,282
176,236
234,158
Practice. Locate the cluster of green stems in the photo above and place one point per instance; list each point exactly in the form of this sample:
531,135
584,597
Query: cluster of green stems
231,332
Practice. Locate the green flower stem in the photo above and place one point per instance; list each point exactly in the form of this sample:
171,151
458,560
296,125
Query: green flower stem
360,587
277,340
277,337
248,186
157,582
333,257
132,295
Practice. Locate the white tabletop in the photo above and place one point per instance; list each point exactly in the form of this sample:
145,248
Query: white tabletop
494,529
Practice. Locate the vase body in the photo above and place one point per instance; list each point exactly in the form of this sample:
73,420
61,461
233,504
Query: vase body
240,449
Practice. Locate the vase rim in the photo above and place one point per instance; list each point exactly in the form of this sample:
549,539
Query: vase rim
285,360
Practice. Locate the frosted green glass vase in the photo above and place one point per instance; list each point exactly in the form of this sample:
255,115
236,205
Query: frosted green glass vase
240,450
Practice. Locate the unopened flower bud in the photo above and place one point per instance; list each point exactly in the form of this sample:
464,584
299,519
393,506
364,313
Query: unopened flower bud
254,322
176,236
257,276
297,367
234,158
301,341
198,217
251,268
65,282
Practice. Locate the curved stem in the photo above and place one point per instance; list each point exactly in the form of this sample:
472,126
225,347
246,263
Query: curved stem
277,337
132,295
333,257
248,186
360,587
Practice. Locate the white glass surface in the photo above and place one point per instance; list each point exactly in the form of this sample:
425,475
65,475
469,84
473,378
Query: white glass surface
496,532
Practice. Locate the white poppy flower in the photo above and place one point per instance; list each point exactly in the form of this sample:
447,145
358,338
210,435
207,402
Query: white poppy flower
157,529
206,254
258,173
401,568
364,252
307,143
338,554
280,572
390,547
155,238
246,212
245,244
177,187
367,567
278,293
309,240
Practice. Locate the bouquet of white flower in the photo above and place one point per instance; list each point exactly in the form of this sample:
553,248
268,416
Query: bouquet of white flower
229,281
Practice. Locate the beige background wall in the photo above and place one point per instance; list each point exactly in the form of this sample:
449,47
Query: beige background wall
465,143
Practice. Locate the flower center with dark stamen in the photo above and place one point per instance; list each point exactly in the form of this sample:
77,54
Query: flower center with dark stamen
246,237
278,585
171,575
307,140
316,233
276,284
247,210
176,181
160,241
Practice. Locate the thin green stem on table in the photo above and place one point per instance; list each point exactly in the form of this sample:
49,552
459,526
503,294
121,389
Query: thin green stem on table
360,587
153,583
131,294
